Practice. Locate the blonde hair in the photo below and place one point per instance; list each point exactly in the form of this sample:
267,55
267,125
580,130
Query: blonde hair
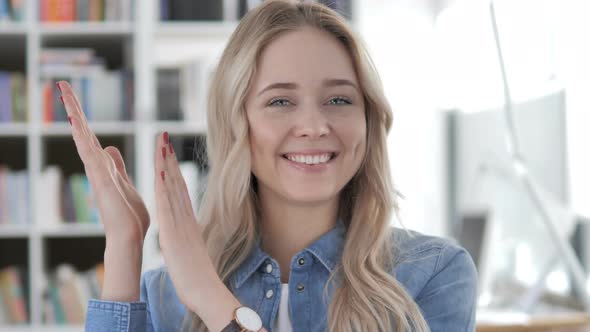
368,297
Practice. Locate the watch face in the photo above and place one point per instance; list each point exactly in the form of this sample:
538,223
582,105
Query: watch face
248,318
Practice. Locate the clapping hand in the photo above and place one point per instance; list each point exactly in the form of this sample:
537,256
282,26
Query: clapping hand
125,219
122,211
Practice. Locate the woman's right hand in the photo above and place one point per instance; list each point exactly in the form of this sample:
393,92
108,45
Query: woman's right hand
122,211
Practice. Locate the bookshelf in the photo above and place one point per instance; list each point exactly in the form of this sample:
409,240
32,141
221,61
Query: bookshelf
143,46
139,45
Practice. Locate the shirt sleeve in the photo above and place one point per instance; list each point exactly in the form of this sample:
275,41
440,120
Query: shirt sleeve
448,300
107,316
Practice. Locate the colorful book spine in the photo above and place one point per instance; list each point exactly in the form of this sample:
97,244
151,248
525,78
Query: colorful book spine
47,92
12,290
17,9
12,97
19,100
65,10
3,195
75,10
5,98
4,11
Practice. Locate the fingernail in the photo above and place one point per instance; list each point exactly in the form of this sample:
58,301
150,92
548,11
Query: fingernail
166,137
171,149
164,152
58,87
70,119
162,175
62,99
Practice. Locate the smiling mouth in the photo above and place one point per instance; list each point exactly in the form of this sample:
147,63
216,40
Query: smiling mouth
311,160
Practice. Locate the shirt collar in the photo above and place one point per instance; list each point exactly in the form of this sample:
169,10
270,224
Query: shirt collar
327,250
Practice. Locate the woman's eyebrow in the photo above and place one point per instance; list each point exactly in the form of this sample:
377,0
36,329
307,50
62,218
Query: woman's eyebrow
330,82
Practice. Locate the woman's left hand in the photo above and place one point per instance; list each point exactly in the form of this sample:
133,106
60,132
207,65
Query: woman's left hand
193,274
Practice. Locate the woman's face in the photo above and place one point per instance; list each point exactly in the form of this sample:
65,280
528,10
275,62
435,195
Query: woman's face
306,116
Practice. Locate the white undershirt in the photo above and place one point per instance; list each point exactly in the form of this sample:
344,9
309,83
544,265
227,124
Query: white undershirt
283,322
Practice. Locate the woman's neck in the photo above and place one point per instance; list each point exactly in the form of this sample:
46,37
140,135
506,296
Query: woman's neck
287,227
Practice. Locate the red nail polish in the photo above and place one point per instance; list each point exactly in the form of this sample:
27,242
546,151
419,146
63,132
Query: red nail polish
58,87
62,99
70,119
171,149
162,175
166,137
164,152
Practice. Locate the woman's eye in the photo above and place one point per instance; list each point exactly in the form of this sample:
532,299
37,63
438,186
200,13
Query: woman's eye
278,102
339,101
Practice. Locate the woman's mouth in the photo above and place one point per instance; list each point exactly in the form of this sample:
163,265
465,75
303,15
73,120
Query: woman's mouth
311,159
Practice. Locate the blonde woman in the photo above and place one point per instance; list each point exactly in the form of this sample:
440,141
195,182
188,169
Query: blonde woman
293,233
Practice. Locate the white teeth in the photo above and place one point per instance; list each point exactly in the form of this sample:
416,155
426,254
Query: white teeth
310,160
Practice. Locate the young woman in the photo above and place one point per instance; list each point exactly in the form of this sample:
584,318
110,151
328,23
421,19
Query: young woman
293,233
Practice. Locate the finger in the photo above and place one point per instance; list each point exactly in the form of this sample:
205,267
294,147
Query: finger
177,184
66,89
75,109
118,159
87,150
160,176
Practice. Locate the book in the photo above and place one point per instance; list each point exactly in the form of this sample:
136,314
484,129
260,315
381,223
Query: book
17,7
5,97
65,10
81,10
4,11
168,94
13,295
12,97
49,186
14,196
19,101
105,95
3,195
65,277
67,293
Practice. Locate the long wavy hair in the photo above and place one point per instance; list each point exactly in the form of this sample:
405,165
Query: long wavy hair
367,297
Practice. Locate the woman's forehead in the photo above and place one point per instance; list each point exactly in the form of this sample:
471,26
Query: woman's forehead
304,55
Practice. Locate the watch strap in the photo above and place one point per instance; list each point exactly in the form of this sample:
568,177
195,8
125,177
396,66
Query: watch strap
232,327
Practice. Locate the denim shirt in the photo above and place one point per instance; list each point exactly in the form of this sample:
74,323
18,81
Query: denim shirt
437,273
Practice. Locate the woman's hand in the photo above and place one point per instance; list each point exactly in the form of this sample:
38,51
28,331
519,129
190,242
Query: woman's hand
122,211
193,274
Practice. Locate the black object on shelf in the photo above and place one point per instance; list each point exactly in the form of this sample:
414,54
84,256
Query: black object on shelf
191,10
168,80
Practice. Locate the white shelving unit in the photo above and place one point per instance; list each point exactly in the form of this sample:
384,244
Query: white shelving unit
146,45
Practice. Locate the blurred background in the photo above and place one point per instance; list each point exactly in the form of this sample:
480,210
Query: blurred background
496,162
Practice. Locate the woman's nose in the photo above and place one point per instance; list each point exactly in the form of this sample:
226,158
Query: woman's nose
311,122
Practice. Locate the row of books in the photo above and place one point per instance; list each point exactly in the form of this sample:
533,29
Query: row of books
105,95
66,200
12,10
14,196
67,294
227,10
13,97
13,298
85,10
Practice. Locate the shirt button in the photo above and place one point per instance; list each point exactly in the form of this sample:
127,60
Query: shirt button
300,287
269,293
301,261
268,268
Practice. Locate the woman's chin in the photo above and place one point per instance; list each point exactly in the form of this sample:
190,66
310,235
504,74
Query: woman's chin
310,196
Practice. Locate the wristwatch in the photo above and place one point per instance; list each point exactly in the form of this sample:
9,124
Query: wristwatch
245,320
